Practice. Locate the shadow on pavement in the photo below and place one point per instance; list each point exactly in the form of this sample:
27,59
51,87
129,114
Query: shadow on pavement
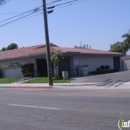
107,83
110,83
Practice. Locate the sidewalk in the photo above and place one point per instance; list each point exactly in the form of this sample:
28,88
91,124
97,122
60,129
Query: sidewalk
95,85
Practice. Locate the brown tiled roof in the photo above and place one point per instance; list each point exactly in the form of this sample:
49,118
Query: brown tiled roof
85,51
41,49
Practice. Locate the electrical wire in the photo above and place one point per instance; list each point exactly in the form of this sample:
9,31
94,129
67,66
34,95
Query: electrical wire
18,19
70,4
9,13
3,3
61,4
20,14
53,2
23,19
32,11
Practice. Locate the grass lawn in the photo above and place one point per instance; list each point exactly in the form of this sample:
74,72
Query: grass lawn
45,80
8,80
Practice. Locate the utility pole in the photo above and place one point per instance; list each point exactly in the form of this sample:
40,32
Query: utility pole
49,66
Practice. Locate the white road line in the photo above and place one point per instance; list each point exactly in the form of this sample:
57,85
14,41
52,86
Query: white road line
39,107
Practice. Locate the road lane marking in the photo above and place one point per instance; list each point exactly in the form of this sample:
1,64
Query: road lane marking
39,107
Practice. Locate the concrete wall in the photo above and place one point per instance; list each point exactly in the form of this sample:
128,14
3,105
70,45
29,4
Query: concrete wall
13,68
71,63
93,62
125,62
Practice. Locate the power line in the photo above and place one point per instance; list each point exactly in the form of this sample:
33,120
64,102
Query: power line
54,2
30,17
24,18
3,3
70,4
61,4
29,10
5,24
32,10
9,13
52,8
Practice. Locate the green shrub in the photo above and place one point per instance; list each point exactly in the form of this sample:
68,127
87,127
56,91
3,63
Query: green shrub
58,78
98,69
103,72
107,67
102,67
1,73
28,70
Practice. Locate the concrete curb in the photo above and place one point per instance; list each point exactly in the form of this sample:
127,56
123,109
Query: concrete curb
90,85
31,87
27,87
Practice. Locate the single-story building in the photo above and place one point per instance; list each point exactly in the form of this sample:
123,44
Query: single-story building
125,60
11,60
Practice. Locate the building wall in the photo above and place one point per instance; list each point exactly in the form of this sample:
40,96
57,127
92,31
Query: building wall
125,63
71,63
65,64
93,62
13,68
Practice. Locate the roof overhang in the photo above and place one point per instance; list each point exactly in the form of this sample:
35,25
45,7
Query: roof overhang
43,55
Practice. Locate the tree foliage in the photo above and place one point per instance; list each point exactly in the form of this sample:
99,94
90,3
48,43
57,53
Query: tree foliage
120,47
81,46
57,57
84,46
10,47
28,69
126,38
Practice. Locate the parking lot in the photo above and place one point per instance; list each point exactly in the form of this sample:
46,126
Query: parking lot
123,76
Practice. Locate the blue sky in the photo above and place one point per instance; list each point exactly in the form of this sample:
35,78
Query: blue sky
97,23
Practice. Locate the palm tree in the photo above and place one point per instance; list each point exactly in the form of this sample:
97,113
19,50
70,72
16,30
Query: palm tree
127,37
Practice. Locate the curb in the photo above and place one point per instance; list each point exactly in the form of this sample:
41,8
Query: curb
28,87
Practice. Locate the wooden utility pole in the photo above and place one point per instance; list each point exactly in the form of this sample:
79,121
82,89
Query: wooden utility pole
48,56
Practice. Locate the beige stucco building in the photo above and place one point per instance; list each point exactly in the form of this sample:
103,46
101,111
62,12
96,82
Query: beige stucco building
11,61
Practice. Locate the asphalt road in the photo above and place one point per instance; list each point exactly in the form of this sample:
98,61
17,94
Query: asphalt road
24,109
123,76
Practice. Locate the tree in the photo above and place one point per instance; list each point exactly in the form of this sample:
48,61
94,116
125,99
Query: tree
3,49
10,47
127,38
56,59
83,46
122,47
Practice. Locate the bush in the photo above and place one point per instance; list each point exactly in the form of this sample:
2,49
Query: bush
98,69
58,78
102,67
1,73
107,67
28,70
104,72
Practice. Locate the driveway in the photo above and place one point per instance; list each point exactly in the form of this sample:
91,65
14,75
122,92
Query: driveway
123,76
